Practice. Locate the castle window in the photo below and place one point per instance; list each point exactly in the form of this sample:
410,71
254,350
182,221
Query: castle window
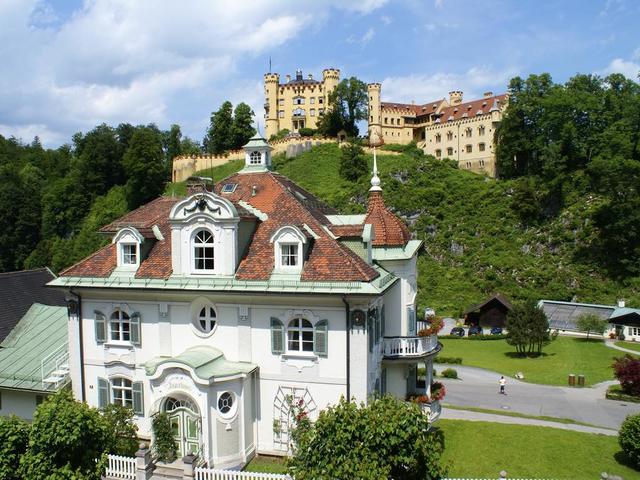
298,101
449,135
481,147
320,110
255,158
438,153
203,250
468,132
386,120
449,151
281,101
469,148
312,112
481,130
312,100
320,100
281,114
438,138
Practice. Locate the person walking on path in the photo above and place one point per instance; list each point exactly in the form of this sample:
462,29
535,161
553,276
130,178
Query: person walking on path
502,382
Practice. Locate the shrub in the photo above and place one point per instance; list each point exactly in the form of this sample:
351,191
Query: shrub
627,371
450,373
629,438
438,391
388,438
14,438
307,132
124,440
164,445
353,164
452,360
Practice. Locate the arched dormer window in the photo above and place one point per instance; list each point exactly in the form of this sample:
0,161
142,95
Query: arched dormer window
289,242
129,244
203,251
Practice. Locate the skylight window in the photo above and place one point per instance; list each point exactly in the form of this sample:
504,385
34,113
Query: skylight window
229,187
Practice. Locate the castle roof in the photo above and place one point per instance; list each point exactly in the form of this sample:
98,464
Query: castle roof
481,106
412,108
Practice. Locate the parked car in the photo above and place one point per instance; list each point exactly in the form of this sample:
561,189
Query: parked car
429,313
475,330
459,331
496,331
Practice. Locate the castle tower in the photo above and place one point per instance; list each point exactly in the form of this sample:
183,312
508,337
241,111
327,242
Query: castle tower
374,109
455,98
330,77
271,82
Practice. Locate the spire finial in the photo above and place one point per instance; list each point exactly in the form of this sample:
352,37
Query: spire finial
375,180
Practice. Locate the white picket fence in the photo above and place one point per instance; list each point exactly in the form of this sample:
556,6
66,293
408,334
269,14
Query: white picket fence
213,474
121,467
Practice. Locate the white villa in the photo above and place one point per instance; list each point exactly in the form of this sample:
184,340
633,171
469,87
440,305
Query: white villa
223,307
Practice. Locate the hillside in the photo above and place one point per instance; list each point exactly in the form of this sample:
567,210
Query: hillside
474,242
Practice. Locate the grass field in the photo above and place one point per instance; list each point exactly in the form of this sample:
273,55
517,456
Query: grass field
561,357
630,345
482,450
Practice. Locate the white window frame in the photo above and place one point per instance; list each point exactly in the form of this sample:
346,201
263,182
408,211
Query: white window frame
127,256
125,238
194,245
300,330
287,256
234,404
255,158
208,319
125,397
117,326
285,236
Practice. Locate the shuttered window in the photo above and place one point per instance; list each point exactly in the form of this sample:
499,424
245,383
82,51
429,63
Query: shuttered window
103,393
277,336
135,329
101,327
320,338
138,398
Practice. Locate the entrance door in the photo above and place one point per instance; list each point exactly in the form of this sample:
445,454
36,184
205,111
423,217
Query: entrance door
185,424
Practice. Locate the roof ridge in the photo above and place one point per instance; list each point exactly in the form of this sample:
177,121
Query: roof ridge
25,272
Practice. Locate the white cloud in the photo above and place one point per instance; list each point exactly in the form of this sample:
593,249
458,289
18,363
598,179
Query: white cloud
428,87
386,19
439,3
363,39
117,60
628,68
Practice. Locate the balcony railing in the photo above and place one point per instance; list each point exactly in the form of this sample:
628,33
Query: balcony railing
409,347
432,409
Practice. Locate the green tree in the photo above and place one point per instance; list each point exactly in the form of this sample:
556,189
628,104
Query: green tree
353,164
144,166
99,160
218,138
189,146
388,438
242,128
164,444
124,440
348,104
528,328
64,205
14,438
591,323
65,440
629,438
172,140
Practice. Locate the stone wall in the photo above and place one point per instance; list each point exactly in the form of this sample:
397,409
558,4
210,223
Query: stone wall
185,166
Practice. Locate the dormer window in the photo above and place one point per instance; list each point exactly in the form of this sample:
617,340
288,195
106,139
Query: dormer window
289,242
255,158
203,251
129,244
289,254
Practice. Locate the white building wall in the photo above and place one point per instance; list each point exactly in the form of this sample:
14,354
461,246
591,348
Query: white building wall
17,402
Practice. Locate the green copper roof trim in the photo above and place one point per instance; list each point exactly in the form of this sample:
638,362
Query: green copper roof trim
397,253
176,282
357,247
346,219
208,363
41,331
257,141
254,169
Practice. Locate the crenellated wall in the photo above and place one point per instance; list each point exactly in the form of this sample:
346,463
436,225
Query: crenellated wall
185,166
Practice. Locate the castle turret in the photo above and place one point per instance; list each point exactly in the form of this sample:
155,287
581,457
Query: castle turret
331,77
271,82
374,90
455,97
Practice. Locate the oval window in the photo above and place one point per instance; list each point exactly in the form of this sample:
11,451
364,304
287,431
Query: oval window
225,403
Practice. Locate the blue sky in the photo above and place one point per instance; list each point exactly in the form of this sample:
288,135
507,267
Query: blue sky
70,65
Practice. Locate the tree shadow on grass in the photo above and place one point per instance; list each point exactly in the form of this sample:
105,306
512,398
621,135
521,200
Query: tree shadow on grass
528,355
623,459
588,340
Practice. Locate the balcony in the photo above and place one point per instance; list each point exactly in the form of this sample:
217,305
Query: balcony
409,347
432,409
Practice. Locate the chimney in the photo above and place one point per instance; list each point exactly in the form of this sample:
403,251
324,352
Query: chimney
621,303
288,77
488,94
298,74
455,97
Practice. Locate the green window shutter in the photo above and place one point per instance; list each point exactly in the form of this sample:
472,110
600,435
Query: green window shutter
135,329
138,398
103,392
411,380
277,336
101,327
382,322
320,338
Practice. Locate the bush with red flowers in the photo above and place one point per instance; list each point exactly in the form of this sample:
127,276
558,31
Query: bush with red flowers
627,371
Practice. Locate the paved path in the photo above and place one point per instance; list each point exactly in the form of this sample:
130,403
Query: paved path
611,344
452,414
479,388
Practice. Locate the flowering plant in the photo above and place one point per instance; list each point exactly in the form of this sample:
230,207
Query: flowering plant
435,325
437,391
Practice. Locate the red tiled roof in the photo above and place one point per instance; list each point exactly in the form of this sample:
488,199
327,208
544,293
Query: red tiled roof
347,230
388,230
483,105
98,264
424,109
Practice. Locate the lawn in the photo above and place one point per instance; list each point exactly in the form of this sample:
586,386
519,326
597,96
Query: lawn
483,449
630,345
561,357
